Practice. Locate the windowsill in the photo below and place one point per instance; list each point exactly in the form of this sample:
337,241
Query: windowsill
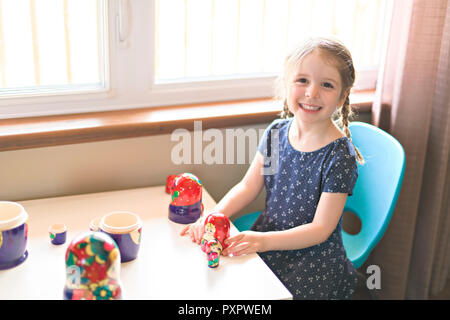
25,133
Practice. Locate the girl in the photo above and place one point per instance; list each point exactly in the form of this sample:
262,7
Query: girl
298,234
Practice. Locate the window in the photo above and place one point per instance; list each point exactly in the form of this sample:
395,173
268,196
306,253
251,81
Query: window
218,38
52,46
69,56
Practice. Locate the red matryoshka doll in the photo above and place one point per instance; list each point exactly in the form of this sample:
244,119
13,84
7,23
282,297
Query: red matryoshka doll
186,204
92,268
217,230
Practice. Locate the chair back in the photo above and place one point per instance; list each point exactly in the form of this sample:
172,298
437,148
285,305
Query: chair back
377,188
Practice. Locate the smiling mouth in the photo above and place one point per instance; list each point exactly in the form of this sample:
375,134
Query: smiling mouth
309,107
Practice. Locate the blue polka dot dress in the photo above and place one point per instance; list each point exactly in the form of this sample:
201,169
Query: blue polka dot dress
294,181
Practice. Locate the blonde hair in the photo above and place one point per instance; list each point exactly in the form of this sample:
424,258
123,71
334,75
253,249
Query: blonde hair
342,59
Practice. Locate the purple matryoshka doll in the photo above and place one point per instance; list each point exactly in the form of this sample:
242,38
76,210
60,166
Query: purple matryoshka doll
92,268
13,234
186,205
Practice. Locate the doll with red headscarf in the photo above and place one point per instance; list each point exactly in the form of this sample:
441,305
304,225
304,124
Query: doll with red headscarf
217,230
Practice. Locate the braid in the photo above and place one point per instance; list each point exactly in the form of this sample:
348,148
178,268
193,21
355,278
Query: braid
285,113
345,113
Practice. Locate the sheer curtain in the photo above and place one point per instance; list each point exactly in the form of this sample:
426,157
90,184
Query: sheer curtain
413,104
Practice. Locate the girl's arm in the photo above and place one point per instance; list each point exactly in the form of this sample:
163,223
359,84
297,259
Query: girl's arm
245,191
328,213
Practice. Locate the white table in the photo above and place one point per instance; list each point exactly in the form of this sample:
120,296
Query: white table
168,266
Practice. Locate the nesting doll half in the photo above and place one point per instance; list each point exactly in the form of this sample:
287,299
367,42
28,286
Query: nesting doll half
186,201
217,226
92,268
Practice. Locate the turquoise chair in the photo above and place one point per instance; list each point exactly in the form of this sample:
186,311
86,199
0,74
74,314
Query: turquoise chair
375,193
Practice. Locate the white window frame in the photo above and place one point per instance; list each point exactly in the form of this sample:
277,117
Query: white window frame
129,73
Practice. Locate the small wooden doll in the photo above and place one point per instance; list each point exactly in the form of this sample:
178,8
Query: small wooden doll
186,203
217,230
213,249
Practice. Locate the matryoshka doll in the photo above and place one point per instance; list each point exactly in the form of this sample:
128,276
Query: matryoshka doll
217,230
213,249
186,203
92,268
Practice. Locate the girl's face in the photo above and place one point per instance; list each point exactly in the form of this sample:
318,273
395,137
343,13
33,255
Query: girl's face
314,89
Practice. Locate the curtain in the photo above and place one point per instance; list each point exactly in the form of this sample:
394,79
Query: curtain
413,104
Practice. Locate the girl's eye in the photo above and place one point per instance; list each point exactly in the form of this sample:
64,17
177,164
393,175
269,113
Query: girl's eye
302,80
328,85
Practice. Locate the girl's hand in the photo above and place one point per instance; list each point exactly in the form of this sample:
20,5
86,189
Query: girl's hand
195,230
245,242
